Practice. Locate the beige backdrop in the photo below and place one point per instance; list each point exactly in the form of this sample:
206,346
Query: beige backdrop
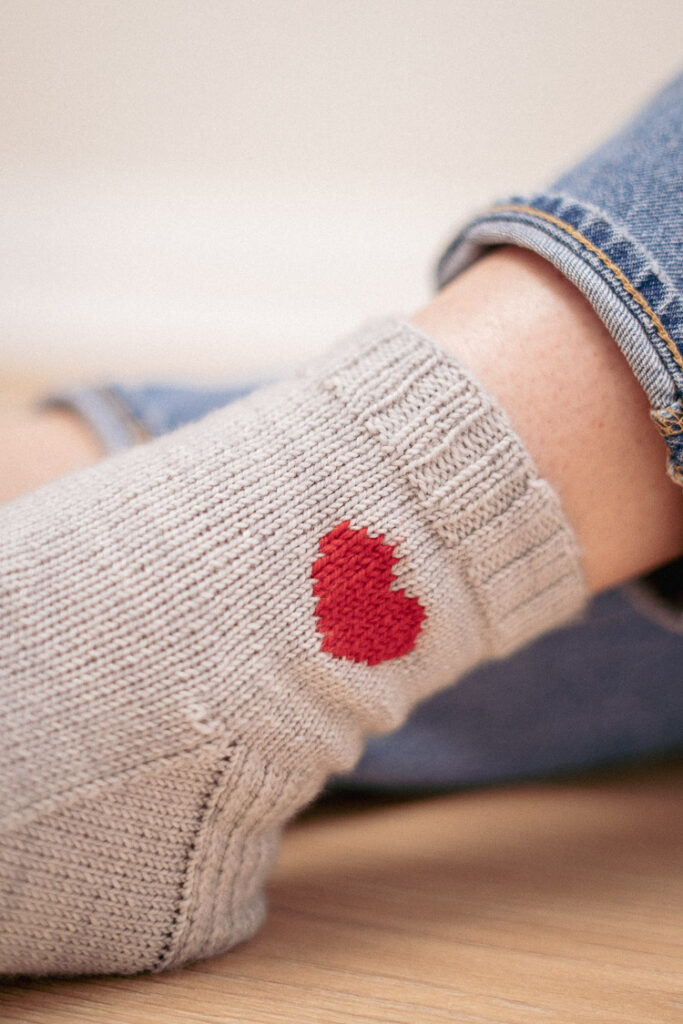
206,188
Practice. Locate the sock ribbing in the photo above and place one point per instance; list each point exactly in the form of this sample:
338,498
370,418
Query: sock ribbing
472,475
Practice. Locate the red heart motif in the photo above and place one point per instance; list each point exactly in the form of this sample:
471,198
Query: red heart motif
361,618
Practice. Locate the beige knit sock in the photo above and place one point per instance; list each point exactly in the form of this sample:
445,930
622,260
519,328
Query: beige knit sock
196,633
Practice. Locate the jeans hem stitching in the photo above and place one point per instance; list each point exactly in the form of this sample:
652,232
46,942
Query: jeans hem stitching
619,274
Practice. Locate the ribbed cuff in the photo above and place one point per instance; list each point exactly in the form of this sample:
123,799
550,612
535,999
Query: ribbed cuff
472,475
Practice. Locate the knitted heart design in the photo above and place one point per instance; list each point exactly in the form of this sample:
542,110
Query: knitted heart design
361,618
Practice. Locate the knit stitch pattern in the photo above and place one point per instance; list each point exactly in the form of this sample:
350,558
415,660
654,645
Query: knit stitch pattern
361,617
196,633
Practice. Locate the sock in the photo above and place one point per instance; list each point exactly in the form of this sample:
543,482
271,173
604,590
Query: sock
195,633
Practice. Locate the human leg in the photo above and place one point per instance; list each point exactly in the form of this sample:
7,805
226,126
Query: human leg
522,327
206,762
534,340
238,811
613,226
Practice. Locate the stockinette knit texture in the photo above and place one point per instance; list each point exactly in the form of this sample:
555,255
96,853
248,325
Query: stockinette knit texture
196,633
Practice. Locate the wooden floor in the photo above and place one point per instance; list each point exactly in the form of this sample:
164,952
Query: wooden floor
556,902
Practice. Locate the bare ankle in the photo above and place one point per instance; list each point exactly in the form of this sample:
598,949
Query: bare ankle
535,342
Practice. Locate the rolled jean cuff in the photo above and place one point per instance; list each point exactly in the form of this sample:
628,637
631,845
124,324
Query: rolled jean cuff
630,292
123,415
107,413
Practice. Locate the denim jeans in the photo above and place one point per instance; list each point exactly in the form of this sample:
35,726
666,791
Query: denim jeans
613,225
610,688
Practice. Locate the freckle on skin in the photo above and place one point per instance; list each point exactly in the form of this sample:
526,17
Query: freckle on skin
536,343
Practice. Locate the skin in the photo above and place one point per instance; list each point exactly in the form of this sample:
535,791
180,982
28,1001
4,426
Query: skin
38,448
535,342
539,347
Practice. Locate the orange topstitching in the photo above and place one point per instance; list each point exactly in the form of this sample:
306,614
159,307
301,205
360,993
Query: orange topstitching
633,292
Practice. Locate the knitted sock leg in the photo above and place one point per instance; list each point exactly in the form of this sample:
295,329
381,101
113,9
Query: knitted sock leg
196,633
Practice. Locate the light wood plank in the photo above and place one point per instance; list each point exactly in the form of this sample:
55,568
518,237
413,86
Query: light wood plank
556,902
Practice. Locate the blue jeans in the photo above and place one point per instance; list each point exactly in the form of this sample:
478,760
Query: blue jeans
614,226
611,688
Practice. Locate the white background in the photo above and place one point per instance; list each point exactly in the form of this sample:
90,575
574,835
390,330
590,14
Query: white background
204,188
